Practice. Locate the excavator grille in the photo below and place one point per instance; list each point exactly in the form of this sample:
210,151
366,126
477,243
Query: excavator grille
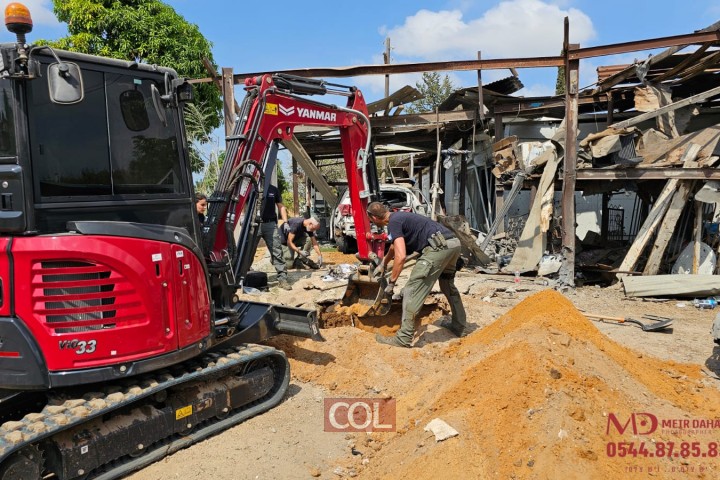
76,296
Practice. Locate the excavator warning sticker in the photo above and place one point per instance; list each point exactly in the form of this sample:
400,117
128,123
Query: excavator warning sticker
183,412
271,108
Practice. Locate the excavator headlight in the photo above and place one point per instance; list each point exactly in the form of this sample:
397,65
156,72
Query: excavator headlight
18,19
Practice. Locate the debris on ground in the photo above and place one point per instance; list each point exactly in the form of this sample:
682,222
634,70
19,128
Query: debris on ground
441,430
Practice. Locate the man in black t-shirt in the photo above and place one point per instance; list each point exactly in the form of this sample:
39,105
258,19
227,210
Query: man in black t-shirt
272,203
439,249
293,235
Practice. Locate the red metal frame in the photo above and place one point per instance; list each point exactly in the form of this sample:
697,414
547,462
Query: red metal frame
279,114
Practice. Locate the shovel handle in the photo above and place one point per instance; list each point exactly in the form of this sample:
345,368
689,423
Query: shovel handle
604,317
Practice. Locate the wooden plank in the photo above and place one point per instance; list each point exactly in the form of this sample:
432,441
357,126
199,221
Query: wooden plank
667,228
690,60
672,285
531,244
700,97
698,237
630,71
638,173
311,170
671,151
426,120
406,94
657,213
504,143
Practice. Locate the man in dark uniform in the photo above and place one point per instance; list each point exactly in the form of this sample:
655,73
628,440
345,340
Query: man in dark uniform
293,235
440,250
269,232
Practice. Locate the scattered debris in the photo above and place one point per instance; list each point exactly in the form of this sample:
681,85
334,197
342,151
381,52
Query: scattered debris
441,430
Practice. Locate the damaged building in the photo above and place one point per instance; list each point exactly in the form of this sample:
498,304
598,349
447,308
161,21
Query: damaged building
617,182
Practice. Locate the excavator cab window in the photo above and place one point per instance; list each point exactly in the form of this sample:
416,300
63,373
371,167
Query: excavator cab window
112,143
7,121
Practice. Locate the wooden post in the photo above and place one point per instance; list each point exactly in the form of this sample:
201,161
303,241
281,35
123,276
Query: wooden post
698,236
481,105
533,192
228,92
296,198
499,128
386,60
308,197
610,109
605,218
567,273
499,189
463,178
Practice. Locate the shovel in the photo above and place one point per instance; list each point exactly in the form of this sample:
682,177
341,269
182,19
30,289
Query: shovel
368,290
659,323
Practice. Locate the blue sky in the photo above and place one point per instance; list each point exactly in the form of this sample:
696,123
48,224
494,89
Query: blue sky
284,34
266,36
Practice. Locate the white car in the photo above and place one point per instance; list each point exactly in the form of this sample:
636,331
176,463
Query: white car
397,196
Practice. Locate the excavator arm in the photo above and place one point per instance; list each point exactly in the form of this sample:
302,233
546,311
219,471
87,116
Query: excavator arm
273,107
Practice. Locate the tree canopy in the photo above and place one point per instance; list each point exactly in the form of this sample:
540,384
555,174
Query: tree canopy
434,90
146,31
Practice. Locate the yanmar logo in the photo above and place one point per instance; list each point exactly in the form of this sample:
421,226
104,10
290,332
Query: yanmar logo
638,423
287,111
308,113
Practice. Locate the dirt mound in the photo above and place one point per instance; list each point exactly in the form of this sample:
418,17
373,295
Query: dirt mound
531,395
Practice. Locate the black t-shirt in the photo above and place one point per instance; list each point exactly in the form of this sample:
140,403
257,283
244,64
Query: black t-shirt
293,225
269,210
415,229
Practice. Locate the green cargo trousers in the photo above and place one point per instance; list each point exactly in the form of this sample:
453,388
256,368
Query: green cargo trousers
433,264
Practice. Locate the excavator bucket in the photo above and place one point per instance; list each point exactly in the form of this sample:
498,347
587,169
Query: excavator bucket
366,293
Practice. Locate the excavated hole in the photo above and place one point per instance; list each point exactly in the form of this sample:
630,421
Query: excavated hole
339,316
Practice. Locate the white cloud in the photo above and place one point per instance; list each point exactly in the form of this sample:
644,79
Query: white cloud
536,90
513,28
41,11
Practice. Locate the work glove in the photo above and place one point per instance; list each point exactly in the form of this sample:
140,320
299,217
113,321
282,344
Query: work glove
389,289
304,253
320,261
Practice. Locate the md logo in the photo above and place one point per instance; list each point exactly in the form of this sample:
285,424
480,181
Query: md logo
638,424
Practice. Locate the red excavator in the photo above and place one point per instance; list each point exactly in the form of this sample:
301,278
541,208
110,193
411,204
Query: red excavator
122,339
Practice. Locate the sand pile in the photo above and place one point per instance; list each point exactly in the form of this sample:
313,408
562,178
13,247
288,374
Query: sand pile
530,394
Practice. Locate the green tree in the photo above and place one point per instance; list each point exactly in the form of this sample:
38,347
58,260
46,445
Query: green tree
560,80
146,31
434,91
209,178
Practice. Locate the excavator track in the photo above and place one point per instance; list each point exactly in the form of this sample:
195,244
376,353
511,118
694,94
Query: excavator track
108,431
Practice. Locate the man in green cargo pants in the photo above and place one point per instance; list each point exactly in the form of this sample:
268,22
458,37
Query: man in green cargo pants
440,250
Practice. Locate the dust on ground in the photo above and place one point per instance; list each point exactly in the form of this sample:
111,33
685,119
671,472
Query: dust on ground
530,391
